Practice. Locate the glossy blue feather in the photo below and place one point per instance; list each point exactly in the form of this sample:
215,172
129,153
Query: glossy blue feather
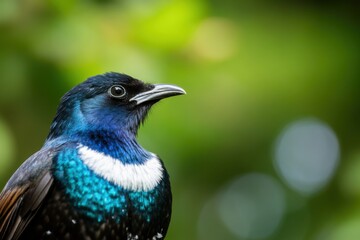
94,127
94,196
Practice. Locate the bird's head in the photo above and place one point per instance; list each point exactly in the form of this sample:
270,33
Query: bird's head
111,102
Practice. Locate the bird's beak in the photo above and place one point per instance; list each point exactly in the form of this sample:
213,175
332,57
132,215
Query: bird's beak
159,91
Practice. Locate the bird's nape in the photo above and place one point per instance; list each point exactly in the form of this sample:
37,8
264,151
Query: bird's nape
92,179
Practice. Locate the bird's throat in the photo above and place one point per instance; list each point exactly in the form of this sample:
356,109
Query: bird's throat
135,177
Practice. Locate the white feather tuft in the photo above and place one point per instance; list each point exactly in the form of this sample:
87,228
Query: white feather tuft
134,177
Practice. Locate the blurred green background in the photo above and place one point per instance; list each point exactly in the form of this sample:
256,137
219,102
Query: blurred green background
265,145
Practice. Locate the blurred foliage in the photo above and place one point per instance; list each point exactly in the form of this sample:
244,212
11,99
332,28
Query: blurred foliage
250,68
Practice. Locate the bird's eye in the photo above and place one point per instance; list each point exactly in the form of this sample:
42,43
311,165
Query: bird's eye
117,91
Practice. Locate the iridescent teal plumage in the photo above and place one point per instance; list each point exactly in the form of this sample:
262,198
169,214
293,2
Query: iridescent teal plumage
90,194
92,180
98,198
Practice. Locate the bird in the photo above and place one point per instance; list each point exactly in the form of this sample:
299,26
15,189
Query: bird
92,179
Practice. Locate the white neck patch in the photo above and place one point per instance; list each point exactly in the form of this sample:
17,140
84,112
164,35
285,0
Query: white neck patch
134,177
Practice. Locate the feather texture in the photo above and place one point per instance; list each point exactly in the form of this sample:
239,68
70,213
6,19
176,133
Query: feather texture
19,205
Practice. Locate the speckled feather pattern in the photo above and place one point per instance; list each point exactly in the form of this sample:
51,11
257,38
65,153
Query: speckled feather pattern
96,197
69,194
81,198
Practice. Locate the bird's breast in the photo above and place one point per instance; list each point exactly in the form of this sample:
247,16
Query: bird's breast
102,187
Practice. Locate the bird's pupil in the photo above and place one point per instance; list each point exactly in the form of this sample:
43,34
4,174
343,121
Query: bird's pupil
117,91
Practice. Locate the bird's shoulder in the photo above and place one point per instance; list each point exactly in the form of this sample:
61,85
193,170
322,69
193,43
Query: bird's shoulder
37,164
25,191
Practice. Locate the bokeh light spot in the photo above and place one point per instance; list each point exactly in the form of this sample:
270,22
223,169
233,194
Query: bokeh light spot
8,10
250,207
215,39
306,155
